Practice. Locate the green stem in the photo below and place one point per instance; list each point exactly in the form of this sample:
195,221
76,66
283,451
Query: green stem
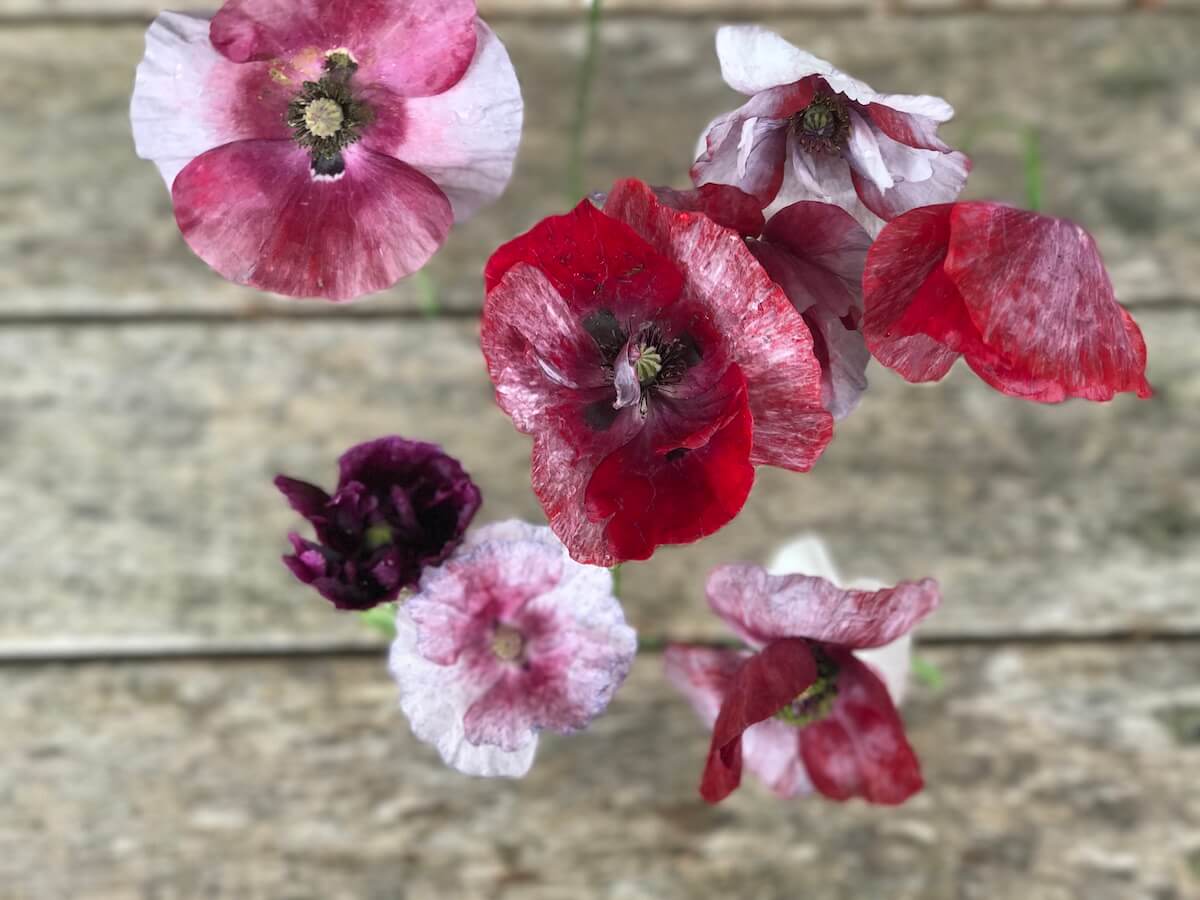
583,103
1033,169
382,619
616,577
427,292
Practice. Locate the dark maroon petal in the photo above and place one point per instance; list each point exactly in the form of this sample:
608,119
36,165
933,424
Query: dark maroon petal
762,607
860,748
1038,292
254,211
765,683
306,499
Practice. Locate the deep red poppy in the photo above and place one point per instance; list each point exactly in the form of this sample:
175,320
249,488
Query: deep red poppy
655,364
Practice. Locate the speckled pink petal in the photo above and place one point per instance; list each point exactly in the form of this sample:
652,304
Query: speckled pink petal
254,212
415,47
761,607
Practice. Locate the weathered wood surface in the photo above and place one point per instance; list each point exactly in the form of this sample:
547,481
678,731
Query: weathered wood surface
88,227
136,497
1052,774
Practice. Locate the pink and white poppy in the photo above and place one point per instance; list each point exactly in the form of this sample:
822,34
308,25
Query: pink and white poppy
811,132
507,638
318,148
812,706
1023,297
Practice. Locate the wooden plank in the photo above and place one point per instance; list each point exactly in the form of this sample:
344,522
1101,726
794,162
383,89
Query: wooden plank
136,500
1051,774
89,227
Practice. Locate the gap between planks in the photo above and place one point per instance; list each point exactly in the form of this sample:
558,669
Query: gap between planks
37,653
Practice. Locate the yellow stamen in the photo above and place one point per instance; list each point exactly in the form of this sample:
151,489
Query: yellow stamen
323,117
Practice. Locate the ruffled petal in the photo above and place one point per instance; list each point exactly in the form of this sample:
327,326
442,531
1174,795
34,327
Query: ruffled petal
1037,290
745,151
762,686
754,59
761,607
913,129
823,178
465,139
767,338
948,176
416,47
864,153
188,98
435,699
860,748
906,261
254,212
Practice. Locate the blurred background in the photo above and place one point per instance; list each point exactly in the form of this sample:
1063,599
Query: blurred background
180,719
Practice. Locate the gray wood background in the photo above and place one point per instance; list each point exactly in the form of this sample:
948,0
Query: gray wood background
180,719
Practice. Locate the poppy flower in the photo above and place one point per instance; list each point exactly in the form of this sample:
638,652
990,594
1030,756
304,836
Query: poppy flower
399,507
1023,297
813,704
655,365
811,132
507,638
319,149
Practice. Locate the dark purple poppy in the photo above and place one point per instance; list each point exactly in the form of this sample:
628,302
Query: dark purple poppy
400,506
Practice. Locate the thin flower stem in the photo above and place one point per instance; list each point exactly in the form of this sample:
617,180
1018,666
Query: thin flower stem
427,292
616,580
1033,170
382,619
583,102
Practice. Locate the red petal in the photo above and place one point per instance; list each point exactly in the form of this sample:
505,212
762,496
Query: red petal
724,204
253,211
860,749
1037,290
900,262
594,261
762,607
415,47
685,475
766,683
907,128
765,336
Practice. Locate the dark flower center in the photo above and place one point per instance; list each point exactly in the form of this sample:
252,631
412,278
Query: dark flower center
823,126
326,118
658,361
816,701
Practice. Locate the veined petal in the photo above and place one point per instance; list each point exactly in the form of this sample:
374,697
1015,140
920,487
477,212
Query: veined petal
416,47
761,607
948,176
465,138
254,212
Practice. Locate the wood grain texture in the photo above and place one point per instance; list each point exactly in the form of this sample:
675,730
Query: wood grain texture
1052,774
136,497
88,227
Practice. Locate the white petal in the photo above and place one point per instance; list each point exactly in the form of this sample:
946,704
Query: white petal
170,126
436,698
864,152
918,104
805,554
891,662
905,163
466,138
811,176
754,59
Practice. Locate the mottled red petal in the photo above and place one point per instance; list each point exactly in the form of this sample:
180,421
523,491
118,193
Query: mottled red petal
594,261
685,475
762,607
860,749
764,684
1037,290
253,211
765,336
724,204
904,256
